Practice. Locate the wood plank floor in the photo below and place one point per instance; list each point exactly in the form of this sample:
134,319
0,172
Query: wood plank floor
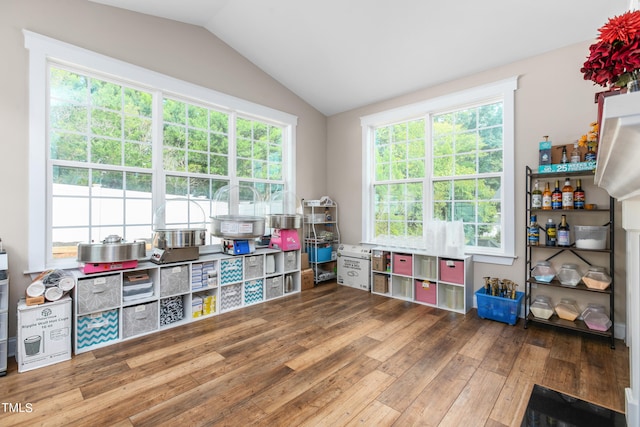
329,356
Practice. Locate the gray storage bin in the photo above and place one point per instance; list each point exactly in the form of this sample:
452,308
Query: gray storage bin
139,319
274,287
230,297
174,280
253,266
98,293
290,260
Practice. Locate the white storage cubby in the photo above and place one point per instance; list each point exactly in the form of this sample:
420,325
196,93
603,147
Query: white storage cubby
433,280
115,306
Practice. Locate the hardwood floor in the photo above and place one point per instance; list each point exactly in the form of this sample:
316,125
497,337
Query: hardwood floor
330,356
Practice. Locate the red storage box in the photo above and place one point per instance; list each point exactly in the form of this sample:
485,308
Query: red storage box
402,264
426,291
452,271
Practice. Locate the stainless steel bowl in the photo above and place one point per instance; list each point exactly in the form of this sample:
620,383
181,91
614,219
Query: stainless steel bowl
112,249
284,221
179,238
237,226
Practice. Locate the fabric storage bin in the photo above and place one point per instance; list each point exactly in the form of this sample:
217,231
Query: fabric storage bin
452,271
290,260
426,291
274,287
139,319
171,310
174,280
253,266
402,264
230,296
230,270
381,283
97,328
98,293
253,292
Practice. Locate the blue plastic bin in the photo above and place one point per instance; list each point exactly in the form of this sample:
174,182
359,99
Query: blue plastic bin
497,308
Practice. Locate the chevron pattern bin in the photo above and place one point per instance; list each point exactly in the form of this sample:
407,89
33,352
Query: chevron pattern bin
253,292
230,270
97,328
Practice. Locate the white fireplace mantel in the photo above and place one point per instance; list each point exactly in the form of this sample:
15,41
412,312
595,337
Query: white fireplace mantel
618,172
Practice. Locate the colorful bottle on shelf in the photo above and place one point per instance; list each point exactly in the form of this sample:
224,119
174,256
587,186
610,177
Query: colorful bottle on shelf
551,232
536,197
567,195
579,197
564,238
533,233
556,196
546,197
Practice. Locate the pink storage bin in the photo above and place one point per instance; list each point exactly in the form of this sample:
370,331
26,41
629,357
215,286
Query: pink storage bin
426,291
402,264
452,271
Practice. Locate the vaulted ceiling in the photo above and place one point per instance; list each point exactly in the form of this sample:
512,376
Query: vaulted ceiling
342,54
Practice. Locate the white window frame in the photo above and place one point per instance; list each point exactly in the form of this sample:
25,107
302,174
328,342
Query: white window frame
503,90
42,50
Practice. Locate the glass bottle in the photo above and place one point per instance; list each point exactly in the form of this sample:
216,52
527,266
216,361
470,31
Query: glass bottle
579,197
533,233
564,239
567,195
536,197
575,154
591,155
552,236
564,158
546,197
556,196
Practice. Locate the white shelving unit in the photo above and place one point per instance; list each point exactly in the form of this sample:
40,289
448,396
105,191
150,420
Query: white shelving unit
116,306
4,322
433,280
321,237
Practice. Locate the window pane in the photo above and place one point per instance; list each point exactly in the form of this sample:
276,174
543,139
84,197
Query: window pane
95,121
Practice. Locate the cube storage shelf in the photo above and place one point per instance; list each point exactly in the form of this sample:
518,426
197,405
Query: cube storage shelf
584,257
433,280
115,306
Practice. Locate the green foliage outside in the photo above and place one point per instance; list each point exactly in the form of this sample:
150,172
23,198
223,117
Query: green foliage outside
466,163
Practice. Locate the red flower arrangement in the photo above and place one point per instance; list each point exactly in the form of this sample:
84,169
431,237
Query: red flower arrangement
614,59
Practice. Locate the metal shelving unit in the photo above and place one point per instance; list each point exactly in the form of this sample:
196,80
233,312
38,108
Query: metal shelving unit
584,256
321,237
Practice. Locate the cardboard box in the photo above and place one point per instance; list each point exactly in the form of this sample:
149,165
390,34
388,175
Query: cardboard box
307,278
545,153
380,283
304,261
380,260
44,334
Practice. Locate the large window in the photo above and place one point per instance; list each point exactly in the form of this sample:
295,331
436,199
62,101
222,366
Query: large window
448,159
107,152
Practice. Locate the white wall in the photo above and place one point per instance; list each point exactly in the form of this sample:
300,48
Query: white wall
552,99
178,50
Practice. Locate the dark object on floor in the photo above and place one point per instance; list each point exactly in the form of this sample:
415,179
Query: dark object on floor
551,408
